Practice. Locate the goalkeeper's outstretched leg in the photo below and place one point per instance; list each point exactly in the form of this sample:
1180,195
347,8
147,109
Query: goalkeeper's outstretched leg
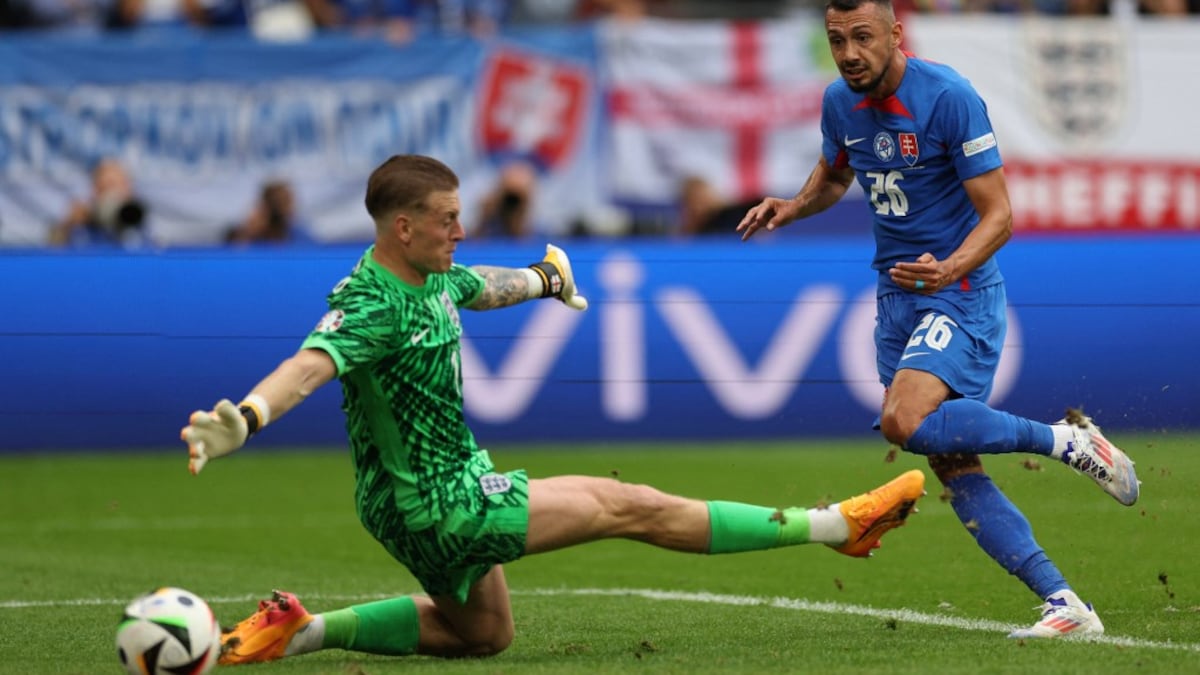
569,510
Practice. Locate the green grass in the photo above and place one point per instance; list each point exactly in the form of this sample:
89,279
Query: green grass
82,534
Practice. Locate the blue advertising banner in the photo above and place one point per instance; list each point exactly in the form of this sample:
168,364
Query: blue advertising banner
683,340
202,122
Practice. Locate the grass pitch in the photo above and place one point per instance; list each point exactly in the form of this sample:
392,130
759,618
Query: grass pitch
80,535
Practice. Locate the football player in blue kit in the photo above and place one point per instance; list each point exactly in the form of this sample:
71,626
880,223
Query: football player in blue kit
917,137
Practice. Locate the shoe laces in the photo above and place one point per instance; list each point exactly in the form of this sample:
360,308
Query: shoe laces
1052,606
1055,606
1081,455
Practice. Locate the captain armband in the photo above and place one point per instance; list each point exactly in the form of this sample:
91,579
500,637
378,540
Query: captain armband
551,278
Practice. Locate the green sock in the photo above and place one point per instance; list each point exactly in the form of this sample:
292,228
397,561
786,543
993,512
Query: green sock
383,627
340,628
744,527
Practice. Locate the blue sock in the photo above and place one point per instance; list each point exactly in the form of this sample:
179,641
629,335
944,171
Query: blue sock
1041,575
1003,532
967,426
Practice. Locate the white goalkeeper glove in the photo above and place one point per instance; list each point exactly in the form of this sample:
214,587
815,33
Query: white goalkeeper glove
215,433
557,279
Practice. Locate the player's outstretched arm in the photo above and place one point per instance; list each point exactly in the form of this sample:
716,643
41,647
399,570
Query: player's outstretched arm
218,432
550,278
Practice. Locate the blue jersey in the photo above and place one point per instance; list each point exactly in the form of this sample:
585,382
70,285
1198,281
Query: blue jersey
911,152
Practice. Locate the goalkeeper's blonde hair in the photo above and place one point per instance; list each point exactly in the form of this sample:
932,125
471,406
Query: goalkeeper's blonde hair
404,182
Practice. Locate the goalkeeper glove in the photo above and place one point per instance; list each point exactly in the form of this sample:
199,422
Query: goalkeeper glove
215,433
557,280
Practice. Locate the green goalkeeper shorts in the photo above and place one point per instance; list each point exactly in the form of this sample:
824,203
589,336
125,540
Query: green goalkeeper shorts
486,527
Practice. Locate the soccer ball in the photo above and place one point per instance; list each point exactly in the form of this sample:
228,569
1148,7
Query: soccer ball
166,632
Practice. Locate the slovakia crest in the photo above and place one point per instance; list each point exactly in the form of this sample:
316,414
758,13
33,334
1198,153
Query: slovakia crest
908,148
1079,81
533,107
885,147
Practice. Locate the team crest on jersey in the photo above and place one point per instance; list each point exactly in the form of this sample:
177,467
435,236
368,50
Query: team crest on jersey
908,148
331,321
451,310
885,147
494,484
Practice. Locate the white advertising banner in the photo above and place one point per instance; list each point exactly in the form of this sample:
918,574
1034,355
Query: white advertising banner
1091,114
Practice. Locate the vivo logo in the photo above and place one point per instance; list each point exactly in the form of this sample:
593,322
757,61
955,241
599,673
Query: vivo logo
744,386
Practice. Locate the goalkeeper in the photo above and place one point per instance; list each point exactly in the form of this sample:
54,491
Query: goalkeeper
425,490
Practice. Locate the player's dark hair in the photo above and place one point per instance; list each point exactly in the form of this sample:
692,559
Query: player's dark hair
850,5
403,182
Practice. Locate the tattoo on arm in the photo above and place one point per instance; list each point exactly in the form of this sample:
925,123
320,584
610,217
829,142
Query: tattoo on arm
504,287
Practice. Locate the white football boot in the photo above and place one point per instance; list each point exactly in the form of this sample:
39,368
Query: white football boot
1063,614
1093,455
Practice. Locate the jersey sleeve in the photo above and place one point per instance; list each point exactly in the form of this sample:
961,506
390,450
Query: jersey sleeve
831,148
464,284
963,124
356,331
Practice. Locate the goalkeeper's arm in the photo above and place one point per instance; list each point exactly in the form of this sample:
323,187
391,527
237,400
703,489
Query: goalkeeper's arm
218,432
549,278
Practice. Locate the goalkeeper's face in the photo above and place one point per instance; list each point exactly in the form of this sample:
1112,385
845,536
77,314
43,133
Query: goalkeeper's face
433,233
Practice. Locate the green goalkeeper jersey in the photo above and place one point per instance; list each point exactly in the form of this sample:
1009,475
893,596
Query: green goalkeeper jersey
396,347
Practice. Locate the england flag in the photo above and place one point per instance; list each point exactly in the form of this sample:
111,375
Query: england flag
736,104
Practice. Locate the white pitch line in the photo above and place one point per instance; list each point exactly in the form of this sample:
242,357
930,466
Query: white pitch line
792,604
903,615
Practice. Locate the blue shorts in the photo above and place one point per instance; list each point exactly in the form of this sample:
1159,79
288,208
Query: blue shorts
955,335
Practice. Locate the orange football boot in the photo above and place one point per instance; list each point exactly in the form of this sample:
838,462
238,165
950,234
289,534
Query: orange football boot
265,634
872,514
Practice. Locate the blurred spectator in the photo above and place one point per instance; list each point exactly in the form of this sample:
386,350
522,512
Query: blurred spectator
549,12
274,219
14,14
543,12
507,210
480,18
1089,7
112,213
284,20
400,21
1164,7
155,14
703,211
83,16
389,19
620,9
745,10
1115,8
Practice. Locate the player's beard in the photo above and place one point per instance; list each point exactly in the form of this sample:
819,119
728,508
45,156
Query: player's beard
872,83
